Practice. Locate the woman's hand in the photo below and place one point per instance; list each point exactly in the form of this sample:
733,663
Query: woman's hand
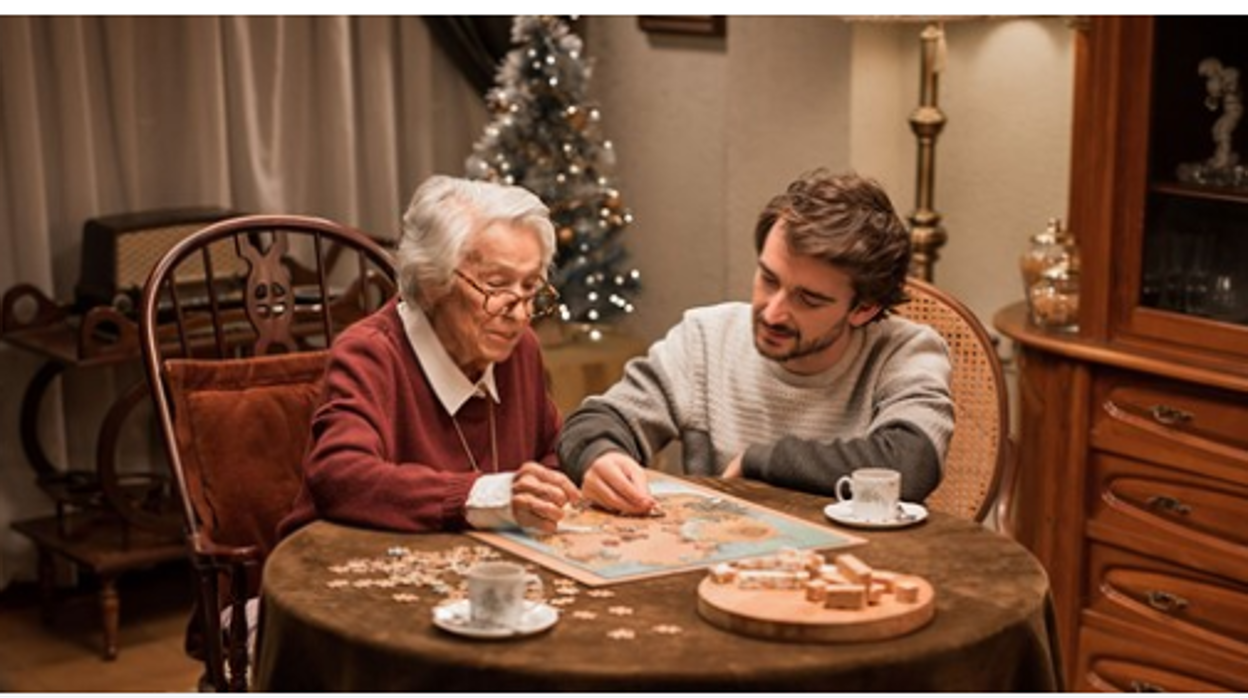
538,496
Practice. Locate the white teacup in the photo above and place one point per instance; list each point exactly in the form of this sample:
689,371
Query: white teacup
497,593
875,493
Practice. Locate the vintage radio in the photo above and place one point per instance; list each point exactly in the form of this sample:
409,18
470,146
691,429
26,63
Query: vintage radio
119,251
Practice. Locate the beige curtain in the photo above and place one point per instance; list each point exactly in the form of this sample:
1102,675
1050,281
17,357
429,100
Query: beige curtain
331,116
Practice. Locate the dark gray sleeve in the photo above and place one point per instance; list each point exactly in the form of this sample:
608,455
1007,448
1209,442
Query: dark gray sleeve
815,466
592,430
638,415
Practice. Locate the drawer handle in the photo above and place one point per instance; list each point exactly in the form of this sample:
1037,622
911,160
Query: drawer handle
1171,416
1166,602
1138,686
1169,504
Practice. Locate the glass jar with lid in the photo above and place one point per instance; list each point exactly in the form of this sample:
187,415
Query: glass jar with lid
1045,250
1054,299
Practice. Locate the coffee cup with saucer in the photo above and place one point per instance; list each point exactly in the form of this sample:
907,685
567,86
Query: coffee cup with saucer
497,604
456,617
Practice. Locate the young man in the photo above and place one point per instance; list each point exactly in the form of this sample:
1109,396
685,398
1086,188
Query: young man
810,381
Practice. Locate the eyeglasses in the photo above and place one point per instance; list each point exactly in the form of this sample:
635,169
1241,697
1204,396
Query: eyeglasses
539,304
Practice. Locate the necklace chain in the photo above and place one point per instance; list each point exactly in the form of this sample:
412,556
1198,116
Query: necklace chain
472,460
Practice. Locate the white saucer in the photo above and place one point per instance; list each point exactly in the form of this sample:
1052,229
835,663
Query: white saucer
456,617
843,513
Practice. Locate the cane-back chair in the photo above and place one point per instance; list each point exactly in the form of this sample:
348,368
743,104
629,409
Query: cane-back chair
235,323
979,464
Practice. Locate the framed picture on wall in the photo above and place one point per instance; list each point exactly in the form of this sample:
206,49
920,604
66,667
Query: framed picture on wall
694,25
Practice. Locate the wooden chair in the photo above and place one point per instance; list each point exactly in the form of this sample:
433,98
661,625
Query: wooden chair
235,321
979,464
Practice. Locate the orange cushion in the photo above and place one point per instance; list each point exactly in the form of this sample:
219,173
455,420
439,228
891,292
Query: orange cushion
242,427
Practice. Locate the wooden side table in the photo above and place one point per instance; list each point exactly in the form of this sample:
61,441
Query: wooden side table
106,522
103,544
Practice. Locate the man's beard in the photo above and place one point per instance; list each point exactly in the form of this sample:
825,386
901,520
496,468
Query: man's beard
799,349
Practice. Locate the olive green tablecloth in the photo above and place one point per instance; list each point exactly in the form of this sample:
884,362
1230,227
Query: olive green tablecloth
993,629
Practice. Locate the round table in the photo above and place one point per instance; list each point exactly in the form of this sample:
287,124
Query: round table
992,630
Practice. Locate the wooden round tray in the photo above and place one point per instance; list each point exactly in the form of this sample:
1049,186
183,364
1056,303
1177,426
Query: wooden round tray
783,614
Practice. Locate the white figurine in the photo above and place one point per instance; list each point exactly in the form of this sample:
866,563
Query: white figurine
1222,83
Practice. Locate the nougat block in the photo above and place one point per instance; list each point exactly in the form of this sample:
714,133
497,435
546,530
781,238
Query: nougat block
850,597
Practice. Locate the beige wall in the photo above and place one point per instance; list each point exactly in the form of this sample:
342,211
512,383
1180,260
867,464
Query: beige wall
707,130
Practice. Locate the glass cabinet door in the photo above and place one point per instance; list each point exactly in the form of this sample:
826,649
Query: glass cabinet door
1194,257
1175,274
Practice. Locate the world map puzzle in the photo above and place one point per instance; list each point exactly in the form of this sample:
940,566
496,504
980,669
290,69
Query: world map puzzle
700,527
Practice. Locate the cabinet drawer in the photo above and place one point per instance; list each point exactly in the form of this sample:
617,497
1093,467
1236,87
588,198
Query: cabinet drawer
1172,514
1172,423
1145,590
1116,656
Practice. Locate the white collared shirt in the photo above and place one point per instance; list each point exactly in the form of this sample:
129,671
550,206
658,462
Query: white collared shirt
489,501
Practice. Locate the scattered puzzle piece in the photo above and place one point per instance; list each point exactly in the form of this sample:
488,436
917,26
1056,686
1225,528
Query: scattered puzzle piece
401,567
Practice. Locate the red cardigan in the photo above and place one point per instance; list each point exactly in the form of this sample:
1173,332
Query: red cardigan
384,453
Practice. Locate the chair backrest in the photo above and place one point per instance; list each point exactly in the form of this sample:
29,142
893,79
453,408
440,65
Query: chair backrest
978,465
235,322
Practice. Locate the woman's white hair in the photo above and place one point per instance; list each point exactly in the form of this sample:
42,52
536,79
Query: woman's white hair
443,214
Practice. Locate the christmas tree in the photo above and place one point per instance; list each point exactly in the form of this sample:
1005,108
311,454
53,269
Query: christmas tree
546,136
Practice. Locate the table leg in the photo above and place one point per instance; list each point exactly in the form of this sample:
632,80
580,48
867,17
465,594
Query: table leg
110,614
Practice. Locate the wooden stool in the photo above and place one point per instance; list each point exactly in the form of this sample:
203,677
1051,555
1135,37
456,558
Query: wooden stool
103,544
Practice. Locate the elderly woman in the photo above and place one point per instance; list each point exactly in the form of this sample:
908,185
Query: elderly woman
435,413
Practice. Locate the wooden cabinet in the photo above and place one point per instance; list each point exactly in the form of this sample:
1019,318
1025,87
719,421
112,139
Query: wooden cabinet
1132,490
1133,443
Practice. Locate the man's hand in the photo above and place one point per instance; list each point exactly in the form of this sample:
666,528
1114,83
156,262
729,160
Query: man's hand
538,495
734,468
618,483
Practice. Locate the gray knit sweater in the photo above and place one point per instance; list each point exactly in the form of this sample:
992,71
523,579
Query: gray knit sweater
885,403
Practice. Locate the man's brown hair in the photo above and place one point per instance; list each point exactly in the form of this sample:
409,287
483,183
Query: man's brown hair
849,222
